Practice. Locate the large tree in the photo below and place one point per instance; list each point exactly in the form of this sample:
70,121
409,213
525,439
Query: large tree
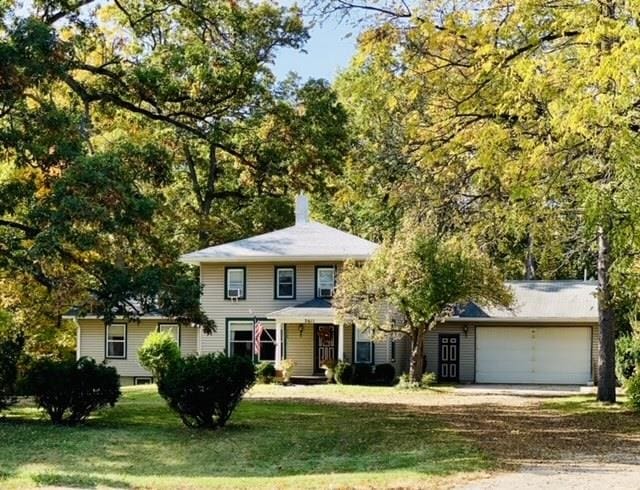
133,131
415,282
525,113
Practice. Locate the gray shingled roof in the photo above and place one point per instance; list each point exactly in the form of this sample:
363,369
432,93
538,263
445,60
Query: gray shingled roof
304,241
543,300
315,308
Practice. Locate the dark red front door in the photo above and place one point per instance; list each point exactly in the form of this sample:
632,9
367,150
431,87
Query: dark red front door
325,345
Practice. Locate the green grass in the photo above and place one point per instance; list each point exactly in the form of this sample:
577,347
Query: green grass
586,404
272,444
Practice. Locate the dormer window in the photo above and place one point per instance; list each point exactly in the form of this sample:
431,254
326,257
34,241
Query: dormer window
235,284
325,282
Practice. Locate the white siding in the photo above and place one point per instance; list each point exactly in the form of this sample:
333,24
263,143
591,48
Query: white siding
259,296
467,350
92,343
468,347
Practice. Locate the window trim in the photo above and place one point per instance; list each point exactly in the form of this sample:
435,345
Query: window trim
228,340
276,284
106,340
167,324
244,282
371,347
317,270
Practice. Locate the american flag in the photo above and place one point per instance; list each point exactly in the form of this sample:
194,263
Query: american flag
257,336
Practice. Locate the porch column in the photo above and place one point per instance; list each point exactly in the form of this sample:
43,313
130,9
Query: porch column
341,342
278,344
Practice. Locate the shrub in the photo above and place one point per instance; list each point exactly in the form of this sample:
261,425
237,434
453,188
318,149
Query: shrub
204,391
10,354
385,374
428,379
627,356
362,374
632,387
343,373
265,371
158,352
70,390
287,366
405,382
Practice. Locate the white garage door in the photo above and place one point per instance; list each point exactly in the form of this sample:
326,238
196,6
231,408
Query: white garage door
533,355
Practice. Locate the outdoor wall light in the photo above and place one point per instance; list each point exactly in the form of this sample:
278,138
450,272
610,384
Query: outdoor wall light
465,329
301,329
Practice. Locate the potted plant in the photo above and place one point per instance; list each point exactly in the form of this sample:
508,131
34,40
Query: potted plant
287,366
329,369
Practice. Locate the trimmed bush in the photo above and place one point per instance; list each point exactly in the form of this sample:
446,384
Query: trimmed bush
362,374
265,372
204,391
70,390
627,357
10,354
632,387
158,352
343,373
385,374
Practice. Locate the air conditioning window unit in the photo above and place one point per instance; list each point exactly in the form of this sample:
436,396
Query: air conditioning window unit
234,292
326,292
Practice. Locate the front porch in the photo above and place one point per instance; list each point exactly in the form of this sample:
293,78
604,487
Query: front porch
309,335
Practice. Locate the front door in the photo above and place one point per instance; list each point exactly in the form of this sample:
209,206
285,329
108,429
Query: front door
326,342
449,349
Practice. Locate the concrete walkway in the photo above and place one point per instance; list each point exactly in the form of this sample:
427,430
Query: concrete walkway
583,476
525,390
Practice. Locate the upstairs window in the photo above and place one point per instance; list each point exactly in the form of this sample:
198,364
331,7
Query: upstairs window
325,282
172,328
285,283
364,347
235,283
116,341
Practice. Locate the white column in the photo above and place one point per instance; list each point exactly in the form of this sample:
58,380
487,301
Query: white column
341,342
278,344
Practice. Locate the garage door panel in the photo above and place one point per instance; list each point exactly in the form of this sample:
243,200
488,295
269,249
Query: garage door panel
533,355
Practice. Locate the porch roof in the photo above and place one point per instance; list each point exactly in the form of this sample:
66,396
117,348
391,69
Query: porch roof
316,310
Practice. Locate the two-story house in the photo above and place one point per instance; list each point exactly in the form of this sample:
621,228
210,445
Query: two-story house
285,281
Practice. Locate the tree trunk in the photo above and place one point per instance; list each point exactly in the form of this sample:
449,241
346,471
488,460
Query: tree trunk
530,265
416,365
606,354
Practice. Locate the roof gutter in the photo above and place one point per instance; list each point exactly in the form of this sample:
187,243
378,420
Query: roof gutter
530,320
196,260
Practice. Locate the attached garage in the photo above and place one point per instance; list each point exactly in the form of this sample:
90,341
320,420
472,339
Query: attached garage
549,336
559,355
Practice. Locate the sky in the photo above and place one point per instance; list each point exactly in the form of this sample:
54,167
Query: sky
327,51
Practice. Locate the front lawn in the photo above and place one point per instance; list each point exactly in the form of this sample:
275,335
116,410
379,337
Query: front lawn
268,443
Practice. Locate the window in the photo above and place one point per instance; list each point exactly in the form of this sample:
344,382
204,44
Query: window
393,350
235,283
285,283
172,328
325,281
117,341
241,340
364,347
142,380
